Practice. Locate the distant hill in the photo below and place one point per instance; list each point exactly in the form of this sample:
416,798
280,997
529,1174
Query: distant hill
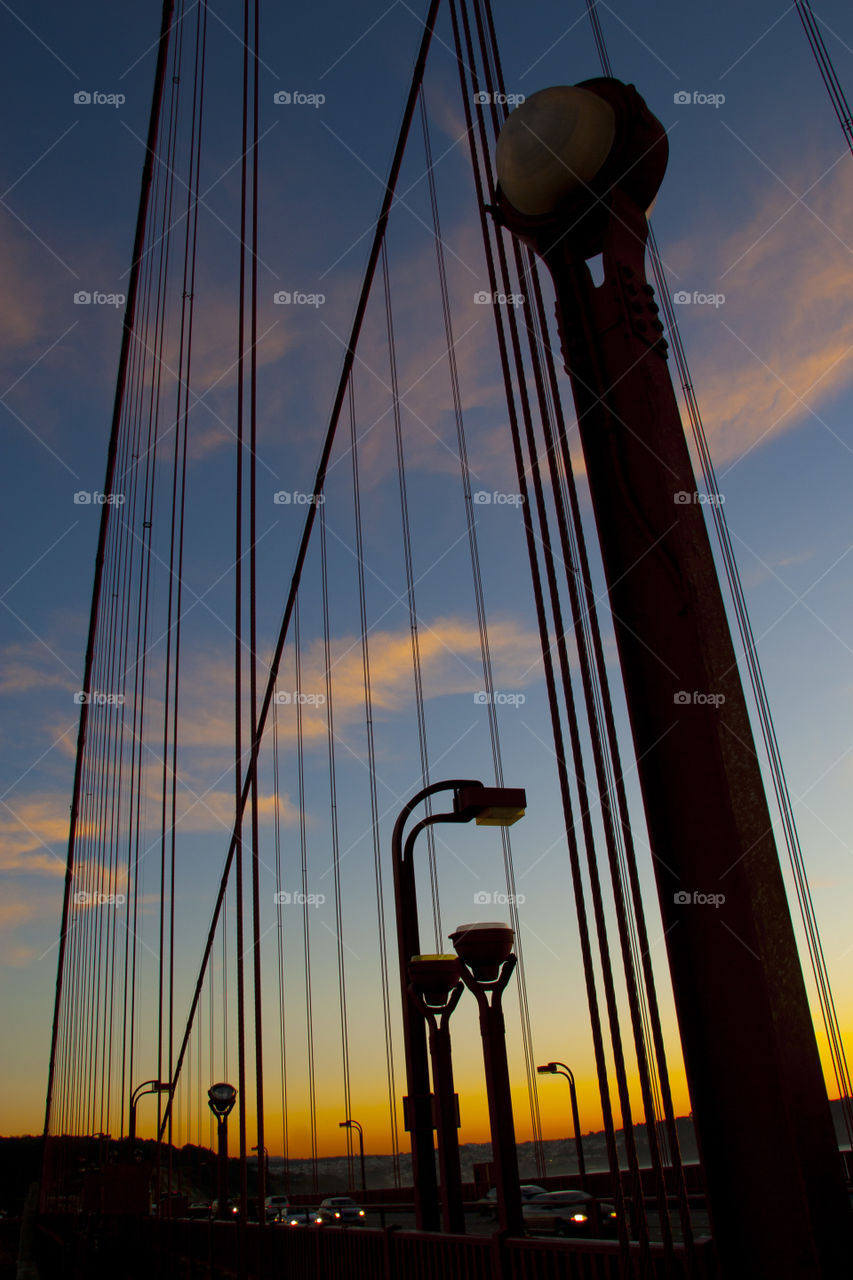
20,1162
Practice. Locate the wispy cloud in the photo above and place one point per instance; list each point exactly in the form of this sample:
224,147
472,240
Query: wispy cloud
781,345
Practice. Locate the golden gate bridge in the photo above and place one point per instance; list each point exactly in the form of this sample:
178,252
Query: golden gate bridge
231,1013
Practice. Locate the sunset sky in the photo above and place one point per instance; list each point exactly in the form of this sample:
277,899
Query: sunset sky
754,216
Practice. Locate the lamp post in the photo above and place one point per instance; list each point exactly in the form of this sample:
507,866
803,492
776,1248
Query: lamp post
498,806
435,988
578,166
221,1098
560,1069
262,1217
485,951
147,1086
353,1124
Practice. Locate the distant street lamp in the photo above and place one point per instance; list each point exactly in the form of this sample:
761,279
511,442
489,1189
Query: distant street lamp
487,966
436,986
491,806
560,1069
266,1168
353,1124
147,1086
221,1098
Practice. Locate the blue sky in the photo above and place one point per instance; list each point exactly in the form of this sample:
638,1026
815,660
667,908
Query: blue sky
753,211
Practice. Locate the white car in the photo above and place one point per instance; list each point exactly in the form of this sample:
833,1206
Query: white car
277,1208
338,1210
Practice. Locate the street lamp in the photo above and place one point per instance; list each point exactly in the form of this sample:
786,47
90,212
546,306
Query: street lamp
353,1124
490,806
435,988
262,1217
578,167
485,951
560,1069
147,1086
221,1098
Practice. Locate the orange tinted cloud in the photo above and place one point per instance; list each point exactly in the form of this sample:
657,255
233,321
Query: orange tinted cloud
770,357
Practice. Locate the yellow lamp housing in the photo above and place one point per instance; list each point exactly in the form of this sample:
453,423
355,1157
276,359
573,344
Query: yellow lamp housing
491,806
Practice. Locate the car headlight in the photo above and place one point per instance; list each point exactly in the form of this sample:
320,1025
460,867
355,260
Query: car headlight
337,1215
579,1217
361,1213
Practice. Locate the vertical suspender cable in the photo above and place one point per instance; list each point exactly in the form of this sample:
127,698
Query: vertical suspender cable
319,482
127,330
374,802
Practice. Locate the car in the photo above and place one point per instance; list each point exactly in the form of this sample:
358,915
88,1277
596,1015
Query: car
201,1209
300,1216
232,1208
277,1208
568,1213
487,1205
339,1210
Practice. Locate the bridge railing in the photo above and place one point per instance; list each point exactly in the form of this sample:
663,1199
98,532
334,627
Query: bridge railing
220,1251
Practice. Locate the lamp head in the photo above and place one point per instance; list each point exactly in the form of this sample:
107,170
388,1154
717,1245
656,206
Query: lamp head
491,806
483,947
434,977
549,1069
221,1098
562,153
